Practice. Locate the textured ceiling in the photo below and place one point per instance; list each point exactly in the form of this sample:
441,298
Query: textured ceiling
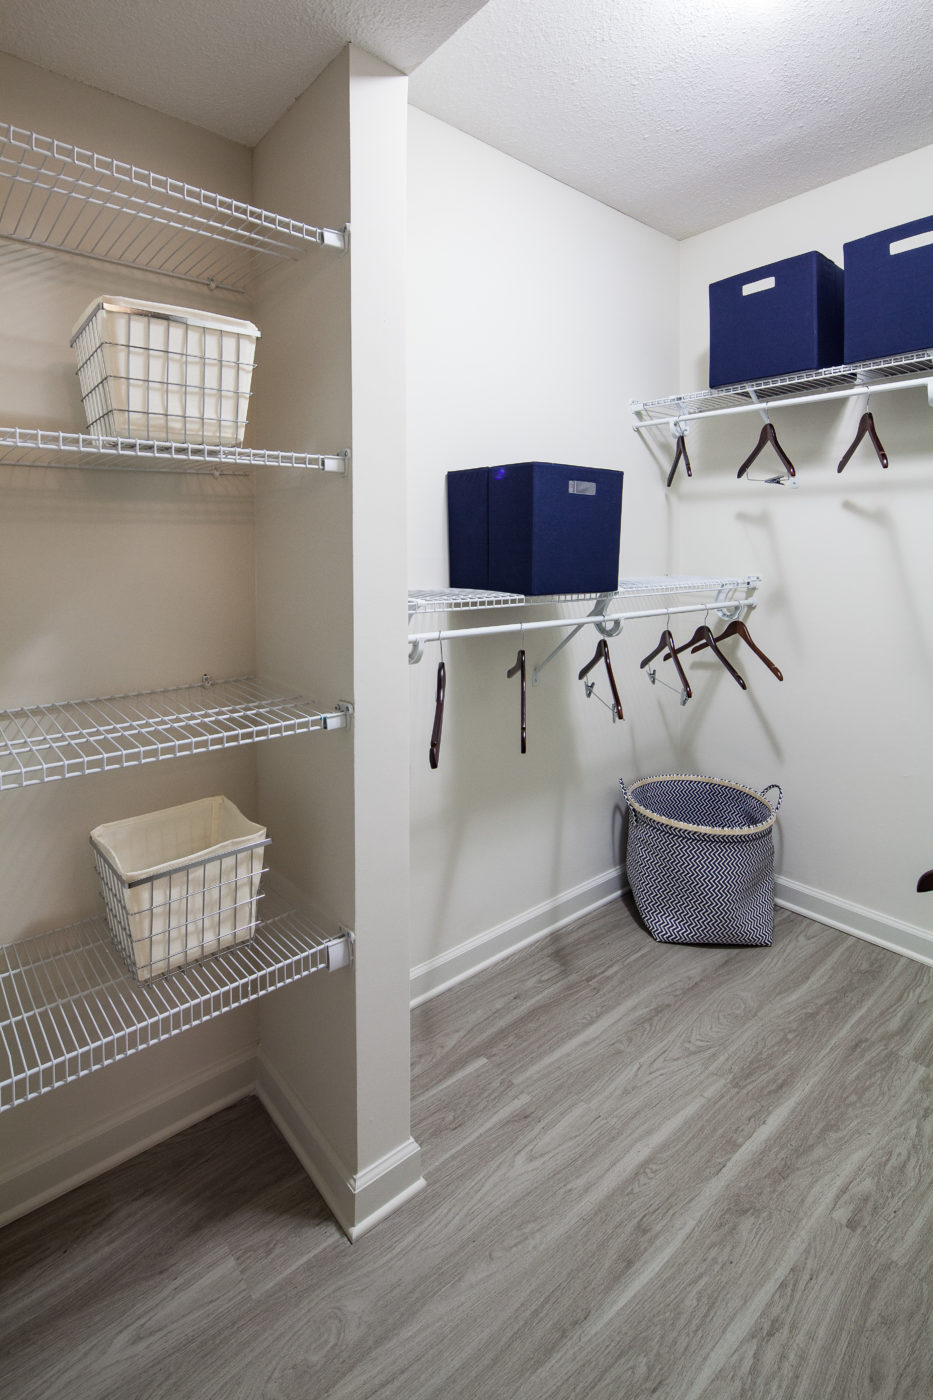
682,113
232,66
688,113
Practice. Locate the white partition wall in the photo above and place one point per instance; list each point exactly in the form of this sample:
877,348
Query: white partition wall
331,588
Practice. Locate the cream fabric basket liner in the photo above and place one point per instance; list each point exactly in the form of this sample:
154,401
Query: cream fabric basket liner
152,371
182,883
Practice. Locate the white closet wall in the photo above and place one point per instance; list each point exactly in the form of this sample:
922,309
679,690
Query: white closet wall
534,314
848,569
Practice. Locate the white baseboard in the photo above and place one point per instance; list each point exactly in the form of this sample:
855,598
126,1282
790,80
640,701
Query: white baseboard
33,1181
357,1200
430,978
907,939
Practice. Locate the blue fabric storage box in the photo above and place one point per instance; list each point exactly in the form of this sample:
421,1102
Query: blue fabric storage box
468,527
889,292
548,528
778,319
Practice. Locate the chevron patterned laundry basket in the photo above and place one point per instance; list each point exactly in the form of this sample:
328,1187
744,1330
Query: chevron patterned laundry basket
700,859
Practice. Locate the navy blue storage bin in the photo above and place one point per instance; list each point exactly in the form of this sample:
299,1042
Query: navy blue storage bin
889,292
778,319
468,527
550,528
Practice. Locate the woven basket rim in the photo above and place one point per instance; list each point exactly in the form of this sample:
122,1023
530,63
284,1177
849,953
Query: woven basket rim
689,826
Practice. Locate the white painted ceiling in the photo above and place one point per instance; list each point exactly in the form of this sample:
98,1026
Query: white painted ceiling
232,66
681,113
688,113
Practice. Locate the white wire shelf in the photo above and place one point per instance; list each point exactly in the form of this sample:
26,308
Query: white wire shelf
59,196
43,743
39,447
437,600
843,381
69,1007
444,600
608,610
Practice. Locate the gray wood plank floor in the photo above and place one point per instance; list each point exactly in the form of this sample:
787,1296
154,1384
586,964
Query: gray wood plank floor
694,1174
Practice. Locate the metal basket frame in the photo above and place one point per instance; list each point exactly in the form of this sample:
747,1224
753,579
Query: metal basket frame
170,405
185,924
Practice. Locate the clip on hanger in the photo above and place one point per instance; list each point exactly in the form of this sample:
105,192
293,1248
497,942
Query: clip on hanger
705,636
738,628
679,455
602,654
434,753
519,668
925,883
667,640
866,427
767,435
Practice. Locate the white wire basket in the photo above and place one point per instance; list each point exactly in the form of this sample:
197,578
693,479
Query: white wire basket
179,885
164,373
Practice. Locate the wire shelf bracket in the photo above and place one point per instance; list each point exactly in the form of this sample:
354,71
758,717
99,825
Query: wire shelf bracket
69,1007
44,743
54,195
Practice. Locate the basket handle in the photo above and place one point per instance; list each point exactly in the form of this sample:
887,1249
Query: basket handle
773,787
631,810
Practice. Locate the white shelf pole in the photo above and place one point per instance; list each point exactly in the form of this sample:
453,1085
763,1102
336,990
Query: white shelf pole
721,606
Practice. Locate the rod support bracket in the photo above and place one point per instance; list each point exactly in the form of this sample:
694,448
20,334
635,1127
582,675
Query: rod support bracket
344,710
340,953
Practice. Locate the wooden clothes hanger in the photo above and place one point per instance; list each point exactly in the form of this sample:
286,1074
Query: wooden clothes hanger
739,629
766,436
667,640
704,635
866,428
602,654
434,753
680,454
519,668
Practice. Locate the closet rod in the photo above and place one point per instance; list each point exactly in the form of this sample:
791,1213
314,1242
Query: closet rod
721,606
767,405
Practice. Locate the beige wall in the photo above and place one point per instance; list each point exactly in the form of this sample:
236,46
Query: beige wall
110,582
848,575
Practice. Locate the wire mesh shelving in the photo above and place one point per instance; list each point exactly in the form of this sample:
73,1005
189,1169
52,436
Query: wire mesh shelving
38,447
43,743
69,1007
62,197
841,381
608,609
